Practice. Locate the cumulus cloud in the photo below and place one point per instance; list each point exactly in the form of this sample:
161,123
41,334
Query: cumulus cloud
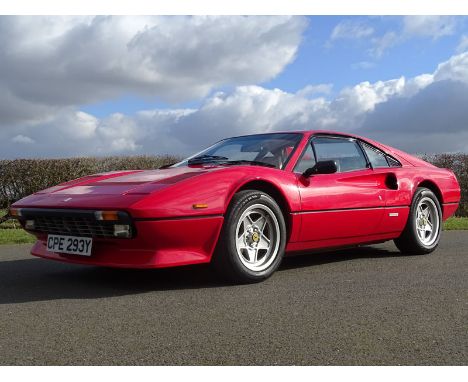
426,113
310,90
49,63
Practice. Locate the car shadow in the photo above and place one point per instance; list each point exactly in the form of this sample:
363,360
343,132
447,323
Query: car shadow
43,280
327,257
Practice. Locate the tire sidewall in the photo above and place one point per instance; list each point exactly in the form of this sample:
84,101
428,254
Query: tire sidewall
245,200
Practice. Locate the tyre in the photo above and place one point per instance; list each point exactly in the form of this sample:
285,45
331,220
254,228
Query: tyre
253,238
422,232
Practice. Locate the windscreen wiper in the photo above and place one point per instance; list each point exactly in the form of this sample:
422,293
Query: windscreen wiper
206,158
251,162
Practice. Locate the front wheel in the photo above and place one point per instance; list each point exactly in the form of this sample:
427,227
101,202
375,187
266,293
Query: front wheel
422,232
253,238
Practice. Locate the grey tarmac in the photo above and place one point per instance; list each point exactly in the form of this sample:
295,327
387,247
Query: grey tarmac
362,306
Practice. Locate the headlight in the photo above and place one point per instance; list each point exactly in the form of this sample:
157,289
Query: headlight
29,224
122,230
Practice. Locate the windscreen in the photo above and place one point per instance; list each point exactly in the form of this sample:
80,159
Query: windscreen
270,149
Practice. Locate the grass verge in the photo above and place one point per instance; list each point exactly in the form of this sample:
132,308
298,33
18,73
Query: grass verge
15,236
456,223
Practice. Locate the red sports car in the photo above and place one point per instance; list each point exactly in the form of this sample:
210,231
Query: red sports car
243,203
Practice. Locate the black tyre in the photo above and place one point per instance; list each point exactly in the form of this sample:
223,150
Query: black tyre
253,238
422,232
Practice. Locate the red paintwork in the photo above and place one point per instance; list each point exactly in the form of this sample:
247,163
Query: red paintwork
324,211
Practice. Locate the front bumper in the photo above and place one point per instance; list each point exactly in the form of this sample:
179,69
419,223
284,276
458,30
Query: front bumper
159,243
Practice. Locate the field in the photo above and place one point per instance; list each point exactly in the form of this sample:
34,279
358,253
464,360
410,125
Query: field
456,223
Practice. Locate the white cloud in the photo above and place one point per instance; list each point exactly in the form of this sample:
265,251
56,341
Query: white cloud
383,43
455,69
350,29
22,139
463,44
310,90
429,26
49,63
363,65
433,27
426,113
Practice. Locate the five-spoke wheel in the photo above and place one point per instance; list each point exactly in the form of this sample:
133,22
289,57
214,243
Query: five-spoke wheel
257,237
427,221
253,238
422,232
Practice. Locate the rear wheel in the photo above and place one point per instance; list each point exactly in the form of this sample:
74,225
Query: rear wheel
422,232
253,238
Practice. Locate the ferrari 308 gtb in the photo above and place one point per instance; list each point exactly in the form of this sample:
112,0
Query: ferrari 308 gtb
244,203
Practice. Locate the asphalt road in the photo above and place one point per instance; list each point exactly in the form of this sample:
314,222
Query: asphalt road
367,306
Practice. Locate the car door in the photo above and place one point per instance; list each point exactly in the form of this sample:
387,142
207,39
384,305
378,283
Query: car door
345,204
398,192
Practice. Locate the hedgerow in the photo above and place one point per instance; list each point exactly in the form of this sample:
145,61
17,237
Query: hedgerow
22,177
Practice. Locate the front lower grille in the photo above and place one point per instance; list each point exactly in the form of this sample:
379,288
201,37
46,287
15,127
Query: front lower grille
73,226
70,222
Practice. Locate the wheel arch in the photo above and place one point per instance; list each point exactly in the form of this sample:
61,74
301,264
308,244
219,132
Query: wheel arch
435,189
270,189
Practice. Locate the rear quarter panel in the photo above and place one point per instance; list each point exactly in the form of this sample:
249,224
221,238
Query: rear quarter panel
443,181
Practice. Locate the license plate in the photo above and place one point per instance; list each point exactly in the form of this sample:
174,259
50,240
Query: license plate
69,244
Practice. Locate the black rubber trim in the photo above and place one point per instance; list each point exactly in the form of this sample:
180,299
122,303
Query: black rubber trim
58,212
179,218
349,209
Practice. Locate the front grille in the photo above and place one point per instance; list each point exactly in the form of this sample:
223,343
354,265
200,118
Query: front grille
73,226
71,222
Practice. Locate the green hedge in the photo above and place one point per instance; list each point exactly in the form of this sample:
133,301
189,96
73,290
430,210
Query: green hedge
458,163
22,177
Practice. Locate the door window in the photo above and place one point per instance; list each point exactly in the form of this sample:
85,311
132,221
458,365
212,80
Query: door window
307,160
346,153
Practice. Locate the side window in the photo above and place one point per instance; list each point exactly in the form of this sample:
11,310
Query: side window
346,153
393,162
306,161
376,157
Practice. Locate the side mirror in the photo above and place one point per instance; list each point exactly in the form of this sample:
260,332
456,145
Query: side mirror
322,167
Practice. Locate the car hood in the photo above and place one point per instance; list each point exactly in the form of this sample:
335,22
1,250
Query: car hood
125,182
108,189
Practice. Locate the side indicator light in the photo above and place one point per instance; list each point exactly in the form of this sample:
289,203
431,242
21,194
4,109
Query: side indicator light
15,212
199,206
107,215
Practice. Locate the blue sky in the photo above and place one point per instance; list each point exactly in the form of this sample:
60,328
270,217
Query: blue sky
130,85
321,61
